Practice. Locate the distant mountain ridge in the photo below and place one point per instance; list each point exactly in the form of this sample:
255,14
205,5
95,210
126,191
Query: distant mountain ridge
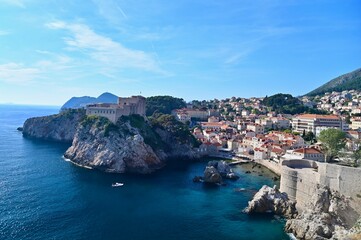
348,81
79,102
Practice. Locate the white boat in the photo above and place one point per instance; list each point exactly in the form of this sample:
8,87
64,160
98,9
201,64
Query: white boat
117,184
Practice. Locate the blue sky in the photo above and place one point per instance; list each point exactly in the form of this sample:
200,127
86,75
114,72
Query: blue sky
52,50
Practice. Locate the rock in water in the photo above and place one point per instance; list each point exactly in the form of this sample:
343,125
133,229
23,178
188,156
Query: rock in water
211,175
224,169
271,200
325,217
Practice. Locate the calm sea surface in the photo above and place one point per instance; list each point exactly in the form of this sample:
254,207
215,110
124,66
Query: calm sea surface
44,197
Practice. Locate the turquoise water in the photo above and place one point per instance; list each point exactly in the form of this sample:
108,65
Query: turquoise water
44,197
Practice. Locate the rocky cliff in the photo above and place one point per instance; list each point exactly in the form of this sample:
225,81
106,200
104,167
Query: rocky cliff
130,145
58,127
271,200
326,217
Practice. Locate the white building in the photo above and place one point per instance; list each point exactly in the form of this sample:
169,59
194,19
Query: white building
309,122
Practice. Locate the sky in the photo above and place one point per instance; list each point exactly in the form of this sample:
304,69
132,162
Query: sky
53,50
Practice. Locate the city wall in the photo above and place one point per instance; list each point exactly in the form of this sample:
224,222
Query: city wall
299,179
271,165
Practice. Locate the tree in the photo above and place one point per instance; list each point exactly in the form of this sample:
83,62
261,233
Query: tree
309,136
163,104
356,157
333,141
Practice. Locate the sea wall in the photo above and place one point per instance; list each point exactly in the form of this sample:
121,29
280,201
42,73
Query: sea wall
299,179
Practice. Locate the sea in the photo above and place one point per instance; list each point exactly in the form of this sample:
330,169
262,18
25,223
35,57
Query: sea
42,196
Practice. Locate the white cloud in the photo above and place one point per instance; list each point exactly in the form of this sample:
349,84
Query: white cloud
2,33
238,56
104,49
17,3
17,73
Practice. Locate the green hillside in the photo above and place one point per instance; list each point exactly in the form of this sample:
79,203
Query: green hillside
348,81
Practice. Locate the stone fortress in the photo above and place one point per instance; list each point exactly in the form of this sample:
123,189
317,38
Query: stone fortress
300,178
125,107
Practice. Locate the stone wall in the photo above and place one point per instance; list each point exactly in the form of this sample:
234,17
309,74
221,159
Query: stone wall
346,180
299,179
271,165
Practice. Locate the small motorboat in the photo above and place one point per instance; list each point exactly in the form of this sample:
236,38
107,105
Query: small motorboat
117,184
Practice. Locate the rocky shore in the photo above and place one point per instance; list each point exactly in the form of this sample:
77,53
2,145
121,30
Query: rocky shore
327,215
271,200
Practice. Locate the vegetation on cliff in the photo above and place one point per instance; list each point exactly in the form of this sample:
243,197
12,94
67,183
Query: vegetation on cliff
348,81
148,129
286,103
133,144
179,130
163,104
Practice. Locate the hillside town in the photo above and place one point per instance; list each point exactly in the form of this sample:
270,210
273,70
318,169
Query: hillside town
253,129
241,128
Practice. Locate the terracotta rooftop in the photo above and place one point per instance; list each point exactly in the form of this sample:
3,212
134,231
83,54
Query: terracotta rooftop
307,151
317,116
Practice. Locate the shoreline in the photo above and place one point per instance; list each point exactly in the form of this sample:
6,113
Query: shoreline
77,164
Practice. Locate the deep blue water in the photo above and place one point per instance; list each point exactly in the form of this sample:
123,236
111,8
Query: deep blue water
44,197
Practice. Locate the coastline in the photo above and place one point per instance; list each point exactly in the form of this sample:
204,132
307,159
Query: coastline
77,164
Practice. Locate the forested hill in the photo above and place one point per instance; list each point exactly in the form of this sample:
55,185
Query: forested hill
286,103
348,81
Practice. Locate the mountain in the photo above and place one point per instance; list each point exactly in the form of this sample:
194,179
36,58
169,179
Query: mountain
79,102
348,81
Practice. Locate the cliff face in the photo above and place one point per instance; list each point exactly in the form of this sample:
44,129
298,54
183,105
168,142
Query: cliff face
58,127
271,200
113,148
326,217
122,147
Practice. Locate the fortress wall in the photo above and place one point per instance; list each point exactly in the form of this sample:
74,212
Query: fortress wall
299,180
299,185
289,182
346,180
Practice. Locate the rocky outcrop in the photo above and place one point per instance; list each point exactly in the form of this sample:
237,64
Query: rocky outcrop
211,175
215,172
271,200
224,169
59,127
131,145
120,149
325,217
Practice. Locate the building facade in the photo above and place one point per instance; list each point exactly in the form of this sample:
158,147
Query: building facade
309,122
125,107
